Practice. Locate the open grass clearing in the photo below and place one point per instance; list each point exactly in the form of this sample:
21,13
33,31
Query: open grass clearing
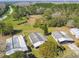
27,28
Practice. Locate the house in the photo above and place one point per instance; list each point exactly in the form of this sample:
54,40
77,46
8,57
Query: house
75,32
15,43
61,37
36,39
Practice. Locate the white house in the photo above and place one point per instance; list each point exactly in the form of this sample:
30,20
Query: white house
61,37
37,39
15,43
75,32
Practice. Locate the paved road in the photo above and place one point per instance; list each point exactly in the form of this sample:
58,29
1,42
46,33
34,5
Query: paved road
74,48
11,10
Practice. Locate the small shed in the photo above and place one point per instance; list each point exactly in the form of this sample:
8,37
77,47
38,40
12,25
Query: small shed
15,43
75,32
37,39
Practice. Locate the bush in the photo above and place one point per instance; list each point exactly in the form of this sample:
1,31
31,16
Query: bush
56,22
50,50
6,28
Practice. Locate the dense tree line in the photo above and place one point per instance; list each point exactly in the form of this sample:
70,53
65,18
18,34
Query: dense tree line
59,14
54,15
4,10
20,12
76,21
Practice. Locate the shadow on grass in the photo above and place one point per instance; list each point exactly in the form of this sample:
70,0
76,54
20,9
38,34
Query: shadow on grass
29,49
16,31
47,34
28,53
32,56
11,33
22,22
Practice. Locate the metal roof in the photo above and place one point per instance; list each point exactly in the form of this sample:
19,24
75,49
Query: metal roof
57,35
36,37
61,36
75,31
16,43
9,45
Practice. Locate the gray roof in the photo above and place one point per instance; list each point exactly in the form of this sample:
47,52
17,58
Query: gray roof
75,31
61,36
57,35
16,43
9,45
36,37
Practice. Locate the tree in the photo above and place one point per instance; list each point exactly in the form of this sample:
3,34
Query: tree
70,23
45,28
19,12
6,28
40,10
4,9
52,23
76,22
48,14
2,25
50,49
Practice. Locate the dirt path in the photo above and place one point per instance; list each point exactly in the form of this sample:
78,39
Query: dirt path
33,18
3,45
